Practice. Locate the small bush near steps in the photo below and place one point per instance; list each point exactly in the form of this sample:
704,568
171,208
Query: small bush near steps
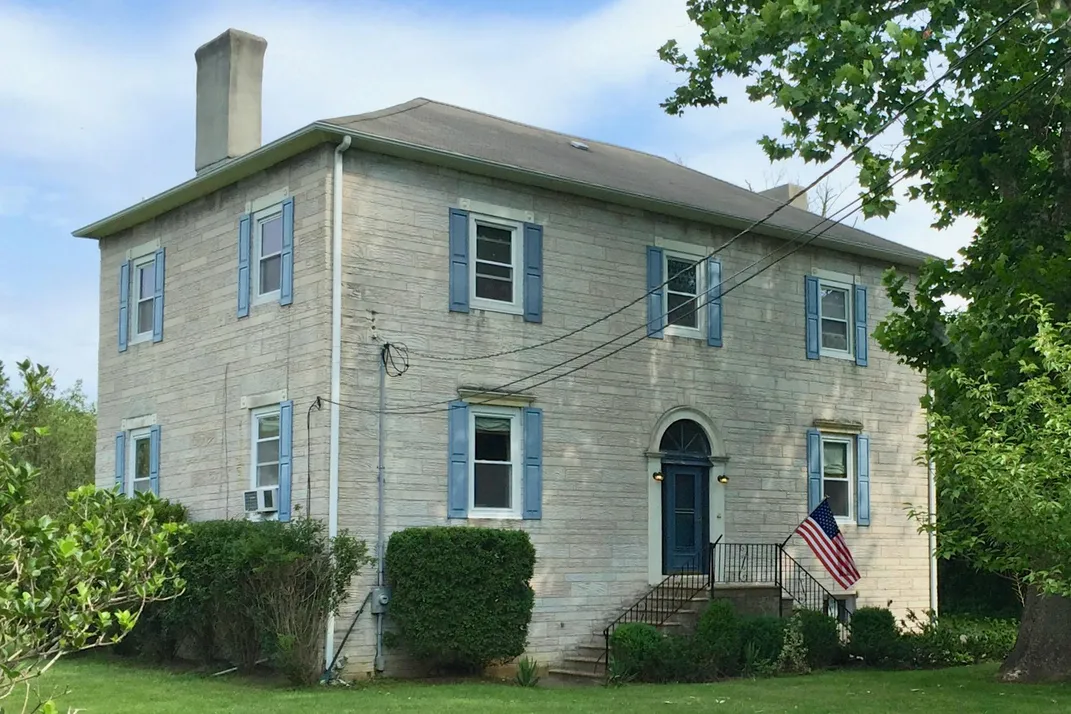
461,597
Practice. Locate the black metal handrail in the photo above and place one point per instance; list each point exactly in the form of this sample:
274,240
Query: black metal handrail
665,599
745,564
807,592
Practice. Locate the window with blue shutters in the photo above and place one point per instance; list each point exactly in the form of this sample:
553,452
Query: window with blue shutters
684,295
836,319
271,459
838,470
266,257
141,299
495,264
495,462
141,458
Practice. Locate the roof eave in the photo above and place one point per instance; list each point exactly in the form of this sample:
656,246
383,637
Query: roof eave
320,132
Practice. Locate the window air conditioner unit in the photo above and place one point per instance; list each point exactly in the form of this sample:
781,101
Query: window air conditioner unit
262,500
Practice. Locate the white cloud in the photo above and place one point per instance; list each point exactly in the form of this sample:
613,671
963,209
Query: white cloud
104,112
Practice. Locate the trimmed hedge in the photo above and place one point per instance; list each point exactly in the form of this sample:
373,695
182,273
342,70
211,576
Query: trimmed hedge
875,638
461,597
762,638
821,638
717,636
633,648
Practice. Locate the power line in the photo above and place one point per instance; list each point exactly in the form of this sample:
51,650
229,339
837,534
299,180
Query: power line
420,409
855,152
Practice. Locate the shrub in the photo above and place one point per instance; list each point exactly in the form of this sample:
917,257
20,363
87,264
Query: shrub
633,648
764,636
951,641
821,638
717,639
461,596
527,672
793,656
676,658
984,639
875,639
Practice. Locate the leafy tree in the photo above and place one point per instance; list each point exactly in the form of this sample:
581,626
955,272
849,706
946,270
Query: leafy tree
65,456
79,581
989,141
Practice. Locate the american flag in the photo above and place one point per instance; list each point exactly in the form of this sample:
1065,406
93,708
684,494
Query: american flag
825,539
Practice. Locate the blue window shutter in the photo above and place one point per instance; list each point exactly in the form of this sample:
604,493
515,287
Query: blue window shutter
286,457
154,459
124,304
459,260
120,461
457,478
713,302
245,231
286,283
158,298
810,299
533,463
533,273
860,325
862,479
656,311
814,469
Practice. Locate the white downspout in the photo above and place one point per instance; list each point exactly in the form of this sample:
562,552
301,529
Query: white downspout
931,507
336,366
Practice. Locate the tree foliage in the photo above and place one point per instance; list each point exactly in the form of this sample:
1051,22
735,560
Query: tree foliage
982,95
75,581
64,456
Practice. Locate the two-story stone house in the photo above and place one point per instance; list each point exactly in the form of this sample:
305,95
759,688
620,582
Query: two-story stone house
244,314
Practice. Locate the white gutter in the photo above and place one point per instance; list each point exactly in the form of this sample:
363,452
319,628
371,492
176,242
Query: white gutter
336,365
931,507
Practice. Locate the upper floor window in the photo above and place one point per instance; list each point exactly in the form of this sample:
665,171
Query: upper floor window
268,254
497,247
144,290
835,312
684,287
838,474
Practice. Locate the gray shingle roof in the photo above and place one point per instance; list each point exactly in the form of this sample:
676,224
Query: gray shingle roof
454,130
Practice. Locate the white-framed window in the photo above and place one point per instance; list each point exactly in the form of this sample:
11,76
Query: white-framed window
685,283
835,318
496,282
267,265
139,458
838,474
495,468
143,289
264,441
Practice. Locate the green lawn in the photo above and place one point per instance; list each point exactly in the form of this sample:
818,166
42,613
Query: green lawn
118,688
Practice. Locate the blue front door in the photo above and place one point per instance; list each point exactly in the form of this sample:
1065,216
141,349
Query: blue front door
685,510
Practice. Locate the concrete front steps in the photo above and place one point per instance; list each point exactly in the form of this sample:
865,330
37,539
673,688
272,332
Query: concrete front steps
587,664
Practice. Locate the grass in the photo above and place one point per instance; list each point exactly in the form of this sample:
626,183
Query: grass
98,685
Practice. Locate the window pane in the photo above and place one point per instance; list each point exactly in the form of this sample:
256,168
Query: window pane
682,310
146,280
268,475
271,236
684,486
268,426
835,459
141,458
835,303
490,270
144,317
837,493
834,335
268,451
685,283
270,274
685,529
491,486
492,439
142,486
494,289
494,244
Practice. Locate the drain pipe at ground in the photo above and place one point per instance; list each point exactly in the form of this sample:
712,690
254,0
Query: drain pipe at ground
336,365
380,471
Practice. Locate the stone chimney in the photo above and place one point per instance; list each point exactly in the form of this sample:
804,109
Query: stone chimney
230,72
786,191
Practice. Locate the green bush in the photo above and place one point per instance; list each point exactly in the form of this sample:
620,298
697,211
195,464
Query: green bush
462,598
717,639
676,658
821,638
793,657
875,639
761,640
950,641
633,646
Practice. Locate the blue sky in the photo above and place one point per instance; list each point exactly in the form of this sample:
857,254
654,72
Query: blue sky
98,114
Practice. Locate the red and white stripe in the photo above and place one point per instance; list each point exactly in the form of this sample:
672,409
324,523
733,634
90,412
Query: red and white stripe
833,553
